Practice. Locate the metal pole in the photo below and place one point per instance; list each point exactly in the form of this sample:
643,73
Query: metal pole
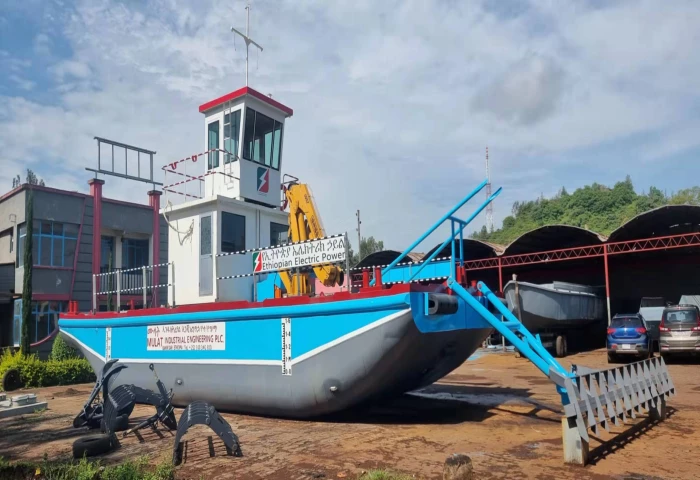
255,288
607,280
172,282
517,298
298,282
500,276
348,275
247,34
359,238
94,293
119,289
145,285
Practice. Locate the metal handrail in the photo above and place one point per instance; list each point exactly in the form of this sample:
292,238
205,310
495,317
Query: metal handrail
447,216
107,283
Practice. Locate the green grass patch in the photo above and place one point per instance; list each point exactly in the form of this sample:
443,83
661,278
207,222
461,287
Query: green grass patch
84,469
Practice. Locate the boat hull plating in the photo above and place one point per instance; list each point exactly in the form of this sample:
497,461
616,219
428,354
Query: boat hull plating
337,361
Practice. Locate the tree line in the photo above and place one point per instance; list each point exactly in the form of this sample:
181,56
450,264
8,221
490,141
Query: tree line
594,207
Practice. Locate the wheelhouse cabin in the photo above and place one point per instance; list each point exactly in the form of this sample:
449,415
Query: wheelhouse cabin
232,197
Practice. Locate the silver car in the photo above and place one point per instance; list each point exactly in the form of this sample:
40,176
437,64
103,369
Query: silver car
679,331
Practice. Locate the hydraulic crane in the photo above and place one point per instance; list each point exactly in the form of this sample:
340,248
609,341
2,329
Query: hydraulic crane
305,224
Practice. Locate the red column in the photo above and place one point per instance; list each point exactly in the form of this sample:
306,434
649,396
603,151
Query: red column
500,276
607,279
154,202
96,193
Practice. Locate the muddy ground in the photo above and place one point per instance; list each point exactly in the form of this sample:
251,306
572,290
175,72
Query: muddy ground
499,410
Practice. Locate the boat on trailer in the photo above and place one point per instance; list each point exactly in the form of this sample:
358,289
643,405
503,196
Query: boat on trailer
555,305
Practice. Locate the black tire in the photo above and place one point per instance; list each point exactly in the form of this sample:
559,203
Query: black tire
559,346
612,358
12,380
91,445
121,423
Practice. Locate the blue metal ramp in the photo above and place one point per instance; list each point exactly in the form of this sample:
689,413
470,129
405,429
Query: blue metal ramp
590,398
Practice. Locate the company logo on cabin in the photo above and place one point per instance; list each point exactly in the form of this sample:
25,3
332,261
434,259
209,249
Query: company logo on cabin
263,180
257,262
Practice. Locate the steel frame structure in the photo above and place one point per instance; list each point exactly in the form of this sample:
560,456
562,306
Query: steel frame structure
604,250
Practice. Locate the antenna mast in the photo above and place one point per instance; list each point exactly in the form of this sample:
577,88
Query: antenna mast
247,40
489,207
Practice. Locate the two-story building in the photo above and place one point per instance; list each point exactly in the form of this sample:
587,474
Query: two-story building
75,236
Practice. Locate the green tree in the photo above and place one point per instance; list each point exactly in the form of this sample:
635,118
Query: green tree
596,207
367,246
24,345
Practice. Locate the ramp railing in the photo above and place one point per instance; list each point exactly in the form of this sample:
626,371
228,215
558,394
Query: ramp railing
591,398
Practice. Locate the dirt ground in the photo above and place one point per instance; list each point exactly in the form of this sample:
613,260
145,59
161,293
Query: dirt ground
499,410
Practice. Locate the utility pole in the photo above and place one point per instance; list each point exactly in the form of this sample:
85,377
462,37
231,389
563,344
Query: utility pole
489,207
359,238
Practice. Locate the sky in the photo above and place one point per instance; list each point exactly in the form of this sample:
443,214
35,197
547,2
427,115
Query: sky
394,102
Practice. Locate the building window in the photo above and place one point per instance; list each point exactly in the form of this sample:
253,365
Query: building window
232,232
53,243
278,233
107,250
43,320
213,144
134,253
232,132
262,141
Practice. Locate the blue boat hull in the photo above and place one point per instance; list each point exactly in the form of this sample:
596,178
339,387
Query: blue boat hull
339,354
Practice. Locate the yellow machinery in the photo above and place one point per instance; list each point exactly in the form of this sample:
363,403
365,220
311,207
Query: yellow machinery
305,224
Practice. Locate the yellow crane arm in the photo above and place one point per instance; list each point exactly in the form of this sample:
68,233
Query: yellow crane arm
305,224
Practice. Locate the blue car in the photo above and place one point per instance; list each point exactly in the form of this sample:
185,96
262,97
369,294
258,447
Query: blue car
628,336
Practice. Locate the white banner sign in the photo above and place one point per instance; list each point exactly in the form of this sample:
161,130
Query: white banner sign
315,252
187,336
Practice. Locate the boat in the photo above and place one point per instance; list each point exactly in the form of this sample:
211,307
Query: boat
556,305
242,328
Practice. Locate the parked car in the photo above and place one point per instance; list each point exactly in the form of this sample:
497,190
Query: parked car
628,335
679,331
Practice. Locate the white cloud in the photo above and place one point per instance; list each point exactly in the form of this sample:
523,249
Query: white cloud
42,44
70,68
394,101
22,83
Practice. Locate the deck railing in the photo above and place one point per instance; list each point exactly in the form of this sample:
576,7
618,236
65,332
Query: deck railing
144,281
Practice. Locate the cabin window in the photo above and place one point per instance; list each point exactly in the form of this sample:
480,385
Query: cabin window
134,253
53,243
213,143
232,232
262,141
232,131
278,233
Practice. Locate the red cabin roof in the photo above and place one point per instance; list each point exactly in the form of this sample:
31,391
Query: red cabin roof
242,92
